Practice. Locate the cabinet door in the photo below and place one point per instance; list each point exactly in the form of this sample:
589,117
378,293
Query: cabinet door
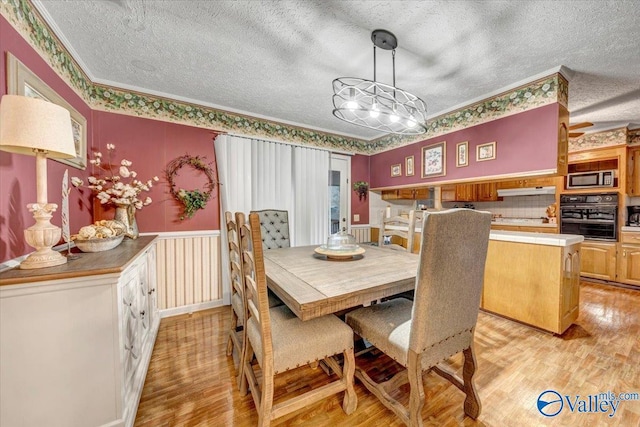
406,193
486,192
130,335
570,292
629,264
152,277
421,193
598,260
448,193
633,172
465,193
389,194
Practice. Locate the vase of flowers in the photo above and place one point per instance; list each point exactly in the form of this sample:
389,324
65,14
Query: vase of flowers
119,188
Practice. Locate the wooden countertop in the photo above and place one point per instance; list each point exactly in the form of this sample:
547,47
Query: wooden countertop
88,264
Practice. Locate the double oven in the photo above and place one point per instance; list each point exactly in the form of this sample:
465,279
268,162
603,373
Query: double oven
594,216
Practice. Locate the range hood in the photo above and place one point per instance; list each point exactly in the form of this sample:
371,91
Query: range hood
531,191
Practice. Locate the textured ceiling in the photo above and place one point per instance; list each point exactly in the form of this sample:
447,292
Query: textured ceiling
277,59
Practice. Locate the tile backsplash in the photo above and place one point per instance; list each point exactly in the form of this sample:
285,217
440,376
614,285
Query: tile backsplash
513,207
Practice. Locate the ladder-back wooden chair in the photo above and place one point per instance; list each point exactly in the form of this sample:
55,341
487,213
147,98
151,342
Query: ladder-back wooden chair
281,341
398,227
236,333
441,321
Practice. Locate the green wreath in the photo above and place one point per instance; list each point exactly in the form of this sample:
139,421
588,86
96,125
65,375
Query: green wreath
192,200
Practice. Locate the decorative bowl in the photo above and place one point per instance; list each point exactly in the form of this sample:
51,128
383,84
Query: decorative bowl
99,245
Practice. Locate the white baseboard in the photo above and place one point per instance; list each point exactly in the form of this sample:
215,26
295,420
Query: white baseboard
188,309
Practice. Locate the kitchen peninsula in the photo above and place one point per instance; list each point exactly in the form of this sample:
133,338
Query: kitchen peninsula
533,277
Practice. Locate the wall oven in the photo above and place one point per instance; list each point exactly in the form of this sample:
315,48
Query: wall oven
594,216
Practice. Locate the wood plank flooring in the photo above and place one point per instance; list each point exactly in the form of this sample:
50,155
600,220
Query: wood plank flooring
191,381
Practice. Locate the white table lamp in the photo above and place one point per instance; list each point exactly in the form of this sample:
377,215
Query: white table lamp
38,128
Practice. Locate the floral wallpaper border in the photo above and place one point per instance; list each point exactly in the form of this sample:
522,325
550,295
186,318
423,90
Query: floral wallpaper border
600,139
28,22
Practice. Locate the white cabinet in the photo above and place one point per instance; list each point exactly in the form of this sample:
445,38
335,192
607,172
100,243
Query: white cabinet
76,340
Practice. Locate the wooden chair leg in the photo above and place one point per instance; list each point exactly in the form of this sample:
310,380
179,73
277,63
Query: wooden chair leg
266,400
472,404
350,401
245,361
242,357
234,324
416,393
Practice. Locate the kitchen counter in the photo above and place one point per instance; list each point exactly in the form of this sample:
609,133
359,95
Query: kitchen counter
547,239
537,223
628,229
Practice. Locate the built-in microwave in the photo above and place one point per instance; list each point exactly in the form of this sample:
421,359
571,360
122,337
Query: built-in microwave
590,179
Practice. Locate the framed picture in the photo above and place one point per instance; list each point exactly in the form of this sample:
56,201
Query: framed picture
396,170
486,151
22,81
462,154
408,166
434,160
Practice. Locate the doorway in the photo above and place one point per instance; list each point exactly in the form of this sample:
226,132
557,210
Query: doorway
339,194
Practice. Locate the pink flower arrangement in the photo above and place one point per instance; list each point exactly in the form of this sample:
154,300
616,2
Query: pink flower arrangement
116,188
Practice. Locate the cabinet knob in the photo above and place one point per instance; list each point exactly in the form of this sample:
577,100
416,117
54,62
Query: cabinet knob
142,313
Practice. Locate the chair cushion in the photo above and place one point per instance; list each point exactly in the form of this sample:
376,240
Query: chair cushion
386,325
236,303
297,343
274,228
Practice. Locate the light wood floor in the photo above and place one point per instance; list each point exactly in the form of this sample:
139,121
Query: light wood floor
191,381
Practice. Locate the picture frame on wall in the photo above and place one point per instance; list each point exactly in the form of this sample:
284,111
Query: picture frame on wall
434,160
408,166
22,81
486,151
396,170
462,154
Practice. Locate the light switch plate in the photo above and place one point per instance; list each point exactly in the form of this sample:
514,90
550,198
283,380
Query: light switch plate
356,217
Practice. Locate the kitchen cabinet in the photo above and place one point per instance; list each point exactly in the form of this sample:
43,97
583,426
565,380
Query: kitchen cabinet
406,194
458,193
76,340
629,258
598,260
528,183
487,192
516,287
633,171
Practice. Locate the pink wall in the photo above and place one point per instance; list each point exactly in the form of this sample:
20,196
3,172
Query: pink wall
360,172
149,144
17,172
527,141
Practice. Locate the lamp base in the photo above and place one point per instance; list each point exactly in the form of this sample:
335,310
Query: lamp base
42,236
46,258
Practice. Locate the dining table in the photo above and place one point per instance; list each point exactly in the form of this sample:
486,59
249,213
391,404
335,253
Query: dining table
313,285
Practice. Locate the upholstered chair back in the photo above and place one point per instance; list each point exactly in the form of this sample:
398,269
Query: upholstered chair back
449,281
274,228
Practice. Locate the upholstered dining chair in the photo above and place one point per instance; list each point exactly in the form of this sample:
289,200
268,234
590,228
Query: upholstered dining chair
274,228
280,341
394,226
440,322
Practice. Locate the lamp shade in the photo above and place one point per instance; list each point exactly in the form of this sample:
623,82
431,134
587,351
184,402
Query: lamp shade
29,123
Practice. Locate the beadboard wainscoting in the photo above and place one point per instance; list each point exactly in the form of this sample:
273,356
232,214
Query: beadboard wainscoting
188,266
362,233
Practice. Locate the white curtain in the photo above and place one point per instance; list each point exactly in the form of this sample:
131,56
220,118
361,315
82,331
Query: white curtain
256,174
311,194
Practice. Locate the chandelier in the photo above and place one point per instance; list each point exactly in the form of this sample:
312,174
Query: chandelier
377,105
